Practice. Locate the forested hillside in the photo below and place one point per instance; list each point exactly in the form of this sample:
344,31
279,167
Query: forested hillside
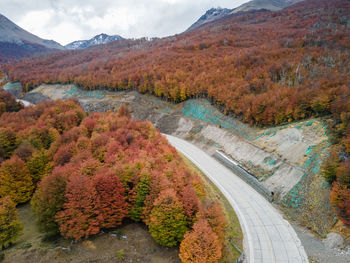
265,68
89,173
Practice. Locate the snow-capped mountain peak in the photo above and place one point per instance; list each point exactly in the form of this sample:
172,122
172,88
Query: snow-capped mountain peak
96,40
210,15
217,13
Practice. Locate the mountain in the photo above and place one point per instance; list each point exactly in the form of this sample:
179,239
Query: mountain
15,42
210,15
97,40
217,13
272,5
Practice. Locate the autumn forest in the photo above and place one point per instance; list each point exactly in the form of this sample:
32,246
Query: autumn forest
86,172
265,68
91,172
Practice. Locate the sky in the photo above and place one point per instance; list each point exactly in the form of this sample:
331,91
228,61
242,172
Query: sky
68,20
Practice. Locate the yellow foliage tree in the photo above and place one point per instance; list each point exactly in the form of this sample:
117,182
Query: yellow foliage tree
10,226
15,180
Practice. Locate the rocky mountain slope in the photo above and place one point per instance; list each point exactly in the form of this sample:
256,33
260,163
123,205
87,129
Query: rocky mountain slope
217,13
15,42
210,15
272,5
97,40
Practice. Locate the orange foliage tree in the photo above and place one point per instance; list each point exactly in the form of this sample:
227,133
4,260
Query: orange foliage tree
200,245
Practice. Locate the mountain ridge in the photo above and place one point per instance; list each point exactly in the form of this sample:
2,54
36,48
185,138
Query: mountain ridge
17,43
210,15
12,33
96,40
254,5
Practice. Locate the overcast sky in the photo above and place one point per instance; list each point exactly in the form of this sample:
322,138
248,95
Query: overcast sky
68,20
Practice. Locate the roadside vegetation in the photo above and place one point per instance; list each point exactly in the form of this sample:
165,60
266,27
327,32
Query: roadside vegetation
233,231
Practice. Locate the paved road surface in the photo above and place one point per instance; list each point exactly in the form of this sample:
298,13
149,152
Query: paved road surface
268,237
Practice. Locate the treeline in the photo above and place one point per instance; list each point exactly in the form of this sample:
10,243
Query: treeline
8,102
91,172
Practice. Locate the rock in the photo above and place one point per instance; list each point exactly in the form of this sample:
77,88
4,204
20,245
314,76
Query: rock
89,244
35,97
333,240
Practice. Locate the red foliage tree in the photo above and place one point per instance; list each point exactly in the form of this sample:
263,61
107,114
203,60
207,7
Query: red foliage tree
79,217
8,102
340,198
215,216
343,174
190,202
110,200
64,154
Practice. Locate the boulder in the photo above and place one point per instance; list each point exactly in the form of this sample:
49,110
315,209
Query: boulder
333,240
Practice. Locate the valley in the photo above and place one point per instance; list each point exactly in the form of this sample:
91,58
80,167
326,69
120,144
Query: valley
198,137
285,159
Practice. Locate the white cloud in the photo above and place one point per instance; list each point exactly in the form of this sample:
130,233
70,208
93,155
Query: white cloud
36,21
69,20
121,18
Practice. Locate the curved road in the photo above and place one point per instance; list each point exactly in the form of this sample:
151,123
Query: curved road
268,237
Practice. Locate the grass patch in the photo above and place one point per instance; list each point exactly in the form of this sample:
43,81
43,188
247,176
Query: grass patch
233,228
129,243
31,234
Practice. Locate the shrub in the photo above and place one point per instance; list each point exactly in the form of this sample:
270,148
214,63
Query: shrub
120,254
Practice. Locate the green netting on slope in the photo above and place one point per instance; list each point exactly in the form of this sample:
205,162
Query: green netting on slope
269,161
311,168
160,105
294,198
76,92
14,88
96,94
308,203
73,91
204,111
